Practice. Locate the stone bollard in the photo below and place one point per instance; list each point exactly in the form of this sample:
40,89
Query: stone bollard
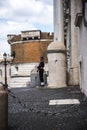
3,109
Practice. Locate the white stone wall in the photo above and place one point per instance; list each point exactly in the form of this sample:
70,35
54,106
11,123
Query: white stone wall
82,44
56,50
73,74
57,65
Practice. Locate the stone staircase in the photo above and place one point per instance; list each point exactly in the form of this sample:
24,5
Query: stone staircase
20,82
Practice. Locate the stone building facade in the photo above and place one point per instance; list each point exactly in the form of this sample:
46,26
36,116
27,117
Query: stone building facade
68,51
27,48
81,24
64,48
76,34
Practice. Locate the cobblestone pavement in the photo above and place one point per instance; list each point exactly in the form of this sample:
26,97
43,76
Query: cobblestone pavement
31,109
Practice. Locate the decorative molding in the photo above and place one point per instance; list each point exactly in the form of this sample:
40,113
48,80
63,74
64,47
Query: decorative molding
56,51
13,76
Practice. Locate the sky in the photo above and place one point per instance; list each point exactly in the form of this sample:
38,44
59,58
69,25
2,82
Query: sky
22,15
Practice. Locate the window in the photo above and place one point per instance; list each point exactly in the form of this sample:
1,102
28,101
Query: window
10,71
85,12
0,73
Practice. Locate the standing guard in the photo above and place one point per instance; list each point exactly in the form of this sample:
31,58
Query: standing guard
41,70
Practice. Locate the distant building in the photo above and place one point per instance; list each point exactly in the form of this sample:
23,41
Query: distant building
27,48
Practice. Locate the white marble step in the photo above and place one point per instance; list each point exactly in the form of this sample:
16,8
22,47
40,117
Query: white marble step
20,82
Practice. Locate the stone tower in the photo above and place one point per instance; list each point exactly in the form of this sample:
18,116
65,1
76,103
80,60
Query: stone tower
56,50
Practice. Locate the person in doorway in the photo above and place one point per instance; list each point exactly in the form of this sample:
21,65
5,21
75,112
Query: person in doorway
41,70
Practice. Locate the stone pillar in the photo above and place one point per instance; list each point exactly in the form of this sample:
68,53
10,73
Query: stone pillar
74,46
56,50
3,109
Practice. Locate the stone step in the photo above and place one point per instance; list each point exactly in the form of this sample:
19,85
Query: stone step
20,82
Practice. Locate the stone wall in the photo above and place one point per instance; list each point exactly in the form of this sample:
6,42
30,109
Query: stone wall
83,55
30,51
73,73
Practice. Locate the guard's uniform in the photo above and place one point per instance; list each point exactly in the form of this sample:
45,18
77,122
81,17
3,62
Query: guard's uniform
41,71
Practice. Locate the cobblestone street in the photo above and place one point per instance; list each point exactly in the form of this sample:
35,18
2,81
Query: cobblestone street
31,109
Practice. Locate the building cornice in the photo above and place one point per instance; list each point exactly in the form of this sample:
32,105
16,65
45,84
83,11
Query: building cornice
30,41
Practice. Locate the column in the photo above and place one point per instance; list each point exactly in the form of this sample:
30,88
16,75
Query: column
56,50
74,46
